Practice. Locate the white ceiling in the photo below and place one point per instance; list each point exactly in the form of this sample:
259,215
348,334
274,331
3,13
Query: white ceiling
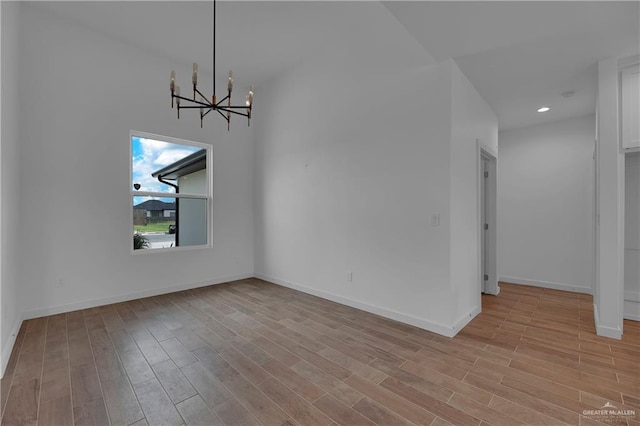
518,55
523,55
257,39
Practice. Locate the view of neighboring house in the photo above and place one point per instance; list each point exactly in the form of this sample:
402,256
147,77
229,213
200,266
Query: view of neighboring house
157,209
188,175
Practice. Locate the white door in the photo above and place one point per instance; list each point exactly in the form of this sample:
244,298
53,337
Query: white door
484,190
487,220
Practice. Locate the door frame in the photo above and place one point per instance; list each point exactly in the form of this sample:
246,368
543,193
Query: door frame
489,153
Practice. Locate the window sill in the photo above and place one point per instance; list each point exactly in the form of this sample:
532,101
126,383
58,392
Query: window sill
169,249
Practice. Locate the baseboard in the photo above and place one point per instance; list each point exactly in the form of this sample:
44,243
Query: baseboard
466,319
631,309
6,351
605,331
36,313
448,331
493,294
632,296
547,284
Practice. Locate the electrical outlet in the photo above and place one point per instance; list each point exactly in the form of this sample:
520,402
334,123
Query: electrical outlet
435,219
59,282
349,276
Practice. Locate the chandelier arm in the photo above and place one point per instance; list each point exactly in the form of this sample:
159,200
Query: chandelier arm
225,109
208,111
235,107
201,95
223,116
190,107
192,101
222,100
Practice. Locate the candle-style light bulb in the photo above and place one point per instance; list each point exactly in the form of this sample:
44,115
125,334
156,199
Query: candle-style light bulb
230,81
172,84
250,95
195,74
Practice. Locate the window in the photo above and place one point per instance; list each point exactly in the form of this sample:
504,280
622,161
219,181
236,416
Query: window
170,192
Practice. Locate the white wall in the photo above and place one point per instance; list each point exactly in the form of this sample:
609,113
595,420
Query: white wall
10,229
74,170
545,205
471,119
609,286
632,237
352,159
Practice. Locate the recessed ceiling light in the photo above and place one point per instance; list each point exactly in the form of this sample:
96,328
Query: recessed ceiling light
544,109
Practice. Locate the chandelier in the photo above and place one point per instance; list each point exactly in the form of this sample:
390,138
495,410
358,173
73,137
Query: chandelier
201,102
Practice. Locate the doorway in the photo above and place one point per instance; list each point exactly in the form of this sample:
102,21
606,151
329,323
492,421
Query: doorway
487,206
631,309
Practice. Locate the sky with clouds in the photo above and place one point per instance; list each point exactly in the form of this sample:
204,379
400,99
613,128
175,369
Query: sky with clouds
151,155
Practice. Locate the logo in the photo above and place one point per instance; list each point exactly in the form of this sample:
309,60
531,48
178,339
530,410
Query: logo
609,413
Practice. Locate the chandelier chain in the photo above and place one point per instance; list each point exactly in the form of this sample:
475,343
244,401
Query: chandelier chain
214,47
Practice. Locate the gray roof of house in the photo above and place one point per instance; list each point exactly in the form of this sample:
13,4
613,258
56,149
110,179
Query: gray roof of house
154,205
185,166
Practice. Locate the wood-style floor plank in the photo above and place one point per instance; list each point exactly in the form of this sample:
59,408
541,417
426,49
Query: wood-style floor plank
339,389
91,413
121,401
340,413
264,409
377,413
299,409
157,407
293,380
252,353
178,353
56,412
407,409
174,382
194,411
22,404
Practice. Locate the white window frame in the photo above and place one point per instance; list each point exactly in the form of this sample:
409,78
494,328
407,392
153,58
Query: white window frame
208,197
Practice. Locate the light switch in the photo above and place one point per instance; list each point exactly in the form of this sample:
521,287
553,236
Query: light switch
435,219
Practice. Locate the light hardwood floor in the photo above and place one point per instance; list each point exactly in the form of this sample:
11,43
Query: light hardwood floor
250,352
